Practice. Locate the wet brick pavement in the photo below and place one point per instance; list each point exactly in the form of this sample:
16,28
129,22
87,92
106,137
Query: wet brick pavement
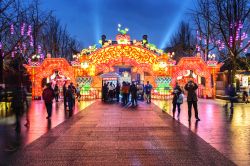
227,131
106,134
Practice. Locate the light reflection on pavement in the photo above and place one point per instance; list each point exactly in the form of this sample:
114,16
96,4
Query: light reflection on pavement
226,130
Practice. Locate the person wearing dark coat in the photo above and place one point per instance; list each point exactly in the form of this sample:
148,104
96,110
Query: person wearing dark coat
64,96
192,99
48,96
105,92
117,92
232,94
176,93
133,91
56,91
70,98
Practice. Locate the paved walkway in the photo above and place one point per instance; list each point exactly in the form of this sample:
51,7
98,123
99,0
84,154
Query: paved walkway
227,131
114,135
39,125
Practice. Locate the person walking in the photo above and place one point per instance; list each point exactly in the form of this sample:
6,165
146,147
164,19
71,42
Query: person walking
73,89
64,96
111,90
70,99
133,91
148,87
177,100
192,99
232,95
56,91
105,92
125,92
117,92
78,93
48,96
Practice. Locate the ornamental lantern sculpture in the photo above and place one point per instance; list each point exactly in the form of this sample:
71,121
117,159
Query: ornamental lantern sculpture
122,38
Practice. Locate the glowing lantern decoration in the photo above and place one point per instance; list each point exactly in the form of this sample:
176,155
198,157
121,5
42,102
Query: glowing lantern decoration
123,39
84,65
162,64
48,55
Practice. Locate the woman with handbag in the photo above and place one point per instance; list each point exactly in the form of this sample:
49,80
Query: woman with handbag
177,100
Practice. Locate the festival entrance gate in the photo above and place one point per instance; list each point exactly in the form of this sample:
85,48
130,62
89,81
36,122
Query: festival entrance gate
194,68
39,71
143,62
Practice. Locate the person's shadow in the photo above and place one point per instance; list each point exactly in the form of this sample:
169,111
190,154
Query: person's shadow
229,112
49,125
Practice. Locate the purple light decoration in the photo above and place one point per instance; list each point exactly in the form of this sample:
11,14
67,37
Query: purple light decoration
231,25
241,44
24,46
3,54
31,41
29,30
42,56
39,48
12,29
1,45
231,41
12,54
240,25
237,35
22,29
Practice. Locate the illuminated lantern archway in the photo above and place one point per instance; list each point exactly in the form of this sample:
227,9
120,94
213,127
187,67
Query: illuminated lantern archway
140,58
199,68
46,69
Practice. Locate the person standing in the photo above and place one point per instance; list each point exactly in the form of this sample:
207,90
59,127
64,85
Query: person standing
70,98
125,92
192,99
78,93
148,87
56,91
133,91
232,94
177,100
73,89
105,92
64,96
48,96
117,92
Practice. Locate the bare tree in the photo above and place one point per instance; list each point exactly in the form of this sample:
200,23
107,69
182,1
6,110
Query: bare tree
228,26
182,42
204,36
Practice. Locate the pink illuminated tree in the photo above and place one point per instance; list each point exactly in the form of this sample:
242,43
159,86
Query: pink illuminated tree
226,26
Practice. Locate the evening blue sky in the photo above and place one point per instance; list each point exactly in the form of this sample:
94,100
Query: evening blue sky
87,20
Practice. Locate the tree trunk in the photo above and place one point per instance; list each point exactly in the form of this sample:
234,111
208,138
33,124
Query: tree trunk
1,68
234,69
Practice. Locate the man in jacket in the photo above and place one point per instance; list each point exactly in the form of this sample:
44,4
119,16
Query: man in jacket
133,91
48,96
192,99
148,87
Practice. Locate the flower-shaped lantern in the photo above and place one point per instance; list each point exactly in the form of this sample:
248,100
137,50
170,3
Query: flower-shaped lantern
122,37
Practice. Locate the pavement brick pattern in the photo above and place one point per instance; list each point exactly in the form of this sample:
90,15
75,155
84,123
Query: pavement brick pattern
109,134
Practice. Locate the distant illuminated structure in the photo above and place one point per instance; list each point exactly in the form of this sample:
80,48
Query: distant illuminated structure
128,60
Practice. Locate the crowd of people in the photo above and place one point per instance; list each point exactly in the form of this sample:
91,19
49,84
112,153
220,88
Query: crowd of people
130,92
70,93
